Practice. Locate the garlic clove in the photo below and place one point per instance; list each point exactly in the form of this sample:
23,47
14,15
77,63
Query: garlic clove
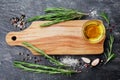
86,60
95,62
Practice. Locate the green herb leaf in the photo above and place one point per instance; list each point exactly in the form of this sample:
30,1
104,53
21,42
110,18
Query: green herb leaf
54,22
105,16
54,10
57,15
34,70
109,55
41,68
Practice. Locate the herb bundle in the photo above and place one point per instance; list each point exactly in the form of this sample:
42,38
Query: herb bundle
57,15
110,55
41,68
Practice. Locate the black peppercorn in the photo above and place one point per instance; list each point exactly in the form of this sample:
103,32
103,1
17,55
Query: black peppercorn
35,57
28,54
18,22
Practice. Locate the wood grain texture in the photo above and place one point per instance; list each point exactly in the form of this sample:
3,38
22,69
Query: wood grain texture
64,38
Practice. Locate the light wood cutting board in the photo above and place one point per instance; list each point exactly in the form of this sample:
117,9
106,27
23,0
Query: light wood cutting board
64,38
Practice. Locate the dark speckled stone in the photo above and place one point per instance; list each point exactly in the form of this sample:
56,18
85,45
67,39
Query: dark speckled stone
11,8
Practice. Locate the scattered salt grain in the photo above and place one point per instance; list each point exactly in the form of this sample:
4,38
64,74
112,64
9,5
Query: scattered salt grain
101,60
70,61
93,13
117,33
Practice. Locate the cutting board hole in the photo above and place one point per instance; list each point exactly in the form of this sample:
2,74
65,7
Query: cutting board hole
14,38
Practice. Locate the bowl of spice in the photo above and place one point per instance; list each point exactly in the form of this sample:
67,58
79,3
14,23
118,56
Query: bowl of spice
94,31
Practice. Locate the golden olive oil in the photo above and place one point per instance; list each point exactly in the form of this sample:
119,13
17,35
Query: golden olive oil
94,31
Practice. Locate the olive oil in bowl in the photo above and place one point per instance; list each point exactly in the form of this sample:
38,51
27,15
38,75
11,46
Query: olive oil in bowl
94,31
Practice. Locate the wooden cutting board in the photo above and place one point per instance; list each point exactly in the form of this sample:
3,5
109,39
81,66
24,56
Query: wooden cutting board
64,38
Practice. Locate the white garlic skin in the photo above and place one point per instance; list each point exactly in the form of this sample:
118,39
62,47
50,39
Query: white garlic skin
95,62
86,60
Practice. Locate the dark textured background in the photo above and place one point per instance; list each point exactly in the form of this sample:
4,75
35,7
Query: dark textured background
11,8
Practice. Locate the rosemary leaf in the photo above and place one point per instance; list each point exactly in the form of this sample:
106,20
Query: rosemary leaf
35,18
41,68
105,16
54,10
35,70
50,16
53,22
57,15
105,54
109,55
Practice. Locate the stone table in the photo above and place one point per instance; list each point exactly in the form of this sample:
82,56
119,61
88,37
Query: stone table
11,8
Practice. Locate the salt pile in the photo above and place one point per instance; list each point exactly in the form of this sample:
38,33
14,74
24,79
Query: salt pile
69,61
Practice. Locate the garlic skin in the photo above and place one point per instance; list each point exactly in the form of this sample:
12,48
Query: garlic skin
86,60
95,62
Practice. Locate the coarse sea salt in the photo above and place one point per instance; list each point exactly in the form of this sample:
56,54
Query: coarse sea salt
70,61
93,13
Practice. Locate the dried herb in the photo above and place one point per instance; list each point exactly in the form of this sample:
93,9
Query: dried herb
105,16
41,68
51,59
56,15
110,55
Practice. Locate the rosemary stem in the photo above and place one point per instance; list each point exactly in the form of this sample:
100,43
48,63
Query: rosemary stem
109,54
35,70
57,15
41,68
52,60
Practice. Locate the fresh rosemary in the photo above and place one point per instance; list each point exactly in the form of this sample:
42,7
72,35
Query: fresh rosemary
105,16
57,15
110,55
41,68
51,59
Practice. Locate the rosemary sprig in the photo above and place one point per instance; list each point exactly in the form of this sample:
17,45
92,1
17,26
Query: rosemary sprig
34,70
105,16
41,68
54,22
57,15
54,10
52,60
110,55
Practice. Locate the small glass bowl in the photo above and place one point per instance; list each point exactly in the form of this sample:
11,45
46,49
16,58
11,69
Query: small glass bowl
98,23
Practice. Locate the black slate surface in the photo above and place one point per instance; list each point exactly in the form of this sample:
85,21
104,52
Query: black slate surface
11,8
